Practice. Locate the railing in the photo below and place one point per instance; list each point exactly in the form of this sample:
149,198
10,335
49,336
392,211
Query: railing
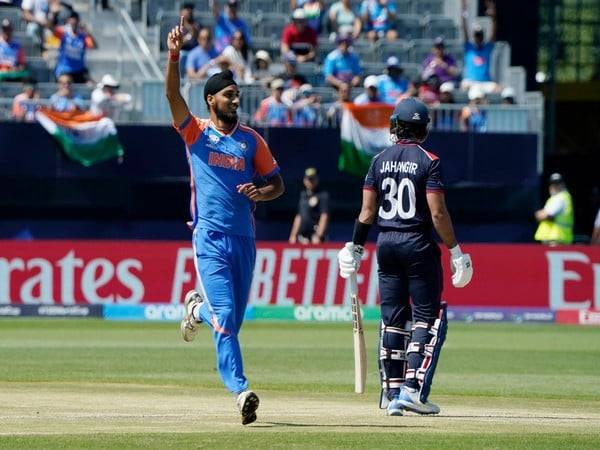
136,45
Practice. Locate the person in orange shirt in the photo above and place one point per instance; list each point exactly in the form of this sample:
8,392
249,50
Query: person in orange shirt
24,104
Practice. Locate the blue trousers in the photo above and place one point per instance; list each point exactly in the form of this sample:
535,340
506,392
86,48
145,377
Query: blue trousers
225,264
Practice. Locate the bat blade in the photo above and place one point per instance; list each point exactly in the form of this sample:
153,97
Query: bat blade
360,352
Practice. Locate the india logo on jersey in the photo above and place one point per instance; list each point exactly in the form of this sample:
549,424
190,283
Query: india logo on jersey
226,161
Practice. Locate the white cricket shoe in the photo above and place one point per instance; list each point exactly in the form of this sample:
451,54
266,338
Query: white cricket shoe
410,401
189,325
247,403
394,407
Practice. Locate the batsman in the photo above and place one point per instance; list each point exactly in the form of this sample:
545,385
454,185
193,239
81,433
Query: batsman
403,192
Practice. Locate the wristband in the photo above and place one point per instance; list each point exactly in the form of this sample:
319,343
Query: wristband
173,57
456,252
361,231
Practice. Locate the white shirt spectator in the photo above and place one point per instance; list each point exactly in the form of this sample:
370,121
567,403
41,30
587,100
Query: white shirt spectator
105,101
237,60
39,8
556,205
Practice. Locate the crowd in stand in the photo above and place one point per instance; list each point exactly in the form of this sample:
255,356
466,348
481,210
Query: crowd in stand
55,24
226,43
292,102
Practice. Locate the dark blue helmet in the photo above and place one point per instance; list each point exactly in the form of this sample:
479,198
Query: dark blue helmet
411,110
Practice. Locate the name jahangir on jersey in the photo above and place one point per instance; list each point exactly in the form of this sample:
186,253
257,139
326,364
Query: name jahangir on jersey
399,166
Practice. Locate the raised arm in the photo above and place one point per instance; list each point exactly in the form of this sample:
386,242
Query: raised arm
465,26
490,11
179,109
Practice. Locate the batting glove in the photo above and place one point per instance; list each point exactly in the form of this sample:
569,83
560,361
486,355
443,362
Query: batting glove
462,267
349,259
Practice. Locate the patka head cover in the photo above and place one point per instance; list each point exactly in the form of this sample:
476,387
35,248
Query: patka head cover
218,82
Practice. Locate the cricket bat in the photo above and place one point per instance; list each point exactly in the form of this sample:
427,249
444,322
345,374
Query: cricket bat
360,352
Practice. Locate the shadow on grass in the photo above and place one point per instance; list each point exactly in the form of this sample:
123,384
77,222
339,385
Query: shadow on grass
346,425
491,416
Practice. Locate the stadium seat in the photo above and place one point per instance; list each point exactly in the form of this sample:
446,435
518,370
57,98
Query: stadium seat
10,89
435,26
165,21
156,7
38,69
400,50
14,15
409,27
421,7
269,25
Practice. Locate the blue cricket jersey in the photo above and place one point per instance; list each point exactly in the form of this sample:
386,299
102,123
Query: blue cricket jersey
218,164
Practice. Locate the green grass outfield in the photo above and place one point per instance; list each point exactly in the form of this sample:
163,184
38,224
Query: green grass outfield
93,384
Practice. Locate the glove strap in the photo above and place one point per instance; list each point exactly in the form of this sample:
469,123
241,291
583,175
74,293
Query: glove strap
456,252
361,231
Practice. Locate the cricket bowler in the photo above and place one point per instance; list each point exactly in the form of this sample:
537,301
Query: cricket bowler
224,157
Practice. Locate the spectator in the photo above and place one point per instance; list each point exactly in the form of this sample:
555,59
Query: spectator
106,101
556,217
472,117
342,65
429,91
443,118
227,24
305,110
371,94
334,113
190,34
439,63
203,60
391,84
378,17
35,14
272,111
299,38
103,4
239,57
343,20
12,56
290,74
312,219
64,100
59,15
74,40
313,10
262,66
508,96
25,103
478,54
596,232
447,92
411,91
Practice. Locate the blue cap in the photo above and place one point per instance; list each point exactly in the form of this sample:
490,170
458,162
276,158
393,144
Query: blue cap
411,110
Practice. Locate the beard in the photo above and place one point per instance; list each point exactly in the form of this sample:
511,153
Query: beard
226,117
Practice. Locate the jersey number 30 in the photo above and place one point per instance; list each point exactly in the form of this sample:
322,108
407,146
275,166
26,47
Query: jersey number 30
393,198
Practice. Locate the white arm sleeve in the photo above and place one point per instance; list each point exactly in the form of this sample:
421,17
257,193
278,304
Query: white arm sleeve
555,206
597,221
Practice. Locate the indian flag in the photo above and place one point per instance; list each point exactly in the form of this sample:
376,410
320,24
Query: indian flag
365,131
83,136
